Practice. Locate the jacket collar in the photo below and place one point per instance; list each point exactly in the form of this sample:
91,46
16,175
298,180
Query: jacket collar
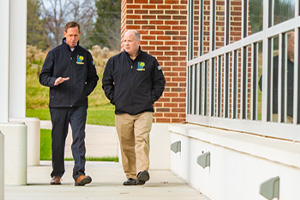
139,52
64,43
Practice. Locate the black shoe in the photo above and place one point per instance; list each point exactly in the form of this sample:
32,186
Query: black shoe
142,177
130,181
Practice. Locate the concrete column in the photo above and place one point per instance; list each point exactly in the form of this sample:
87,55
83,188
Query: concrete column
33,139
15,148
4,52
17,55
1,166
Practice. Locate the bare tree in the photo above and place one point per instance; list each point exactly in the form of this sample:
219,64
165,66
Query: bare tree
57,13
107,28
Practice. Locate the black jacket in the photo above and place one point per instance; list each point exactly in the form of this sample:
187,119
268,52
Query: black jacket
290,86
133,85
79,66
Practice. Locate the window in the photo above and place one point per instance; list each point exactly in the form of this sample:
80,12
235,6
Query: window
241,72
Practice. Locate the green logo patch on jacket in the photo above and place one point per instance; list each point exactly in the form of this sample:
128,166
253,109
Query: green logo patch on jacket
80,60
141,66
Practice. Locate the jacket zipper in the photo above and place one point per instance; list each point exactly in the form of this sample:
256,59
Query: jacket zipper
131,88
71,80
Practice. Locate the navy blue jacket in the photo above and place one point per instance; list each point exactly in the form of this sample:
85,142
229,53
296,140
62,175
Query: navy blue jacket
133,85
79,66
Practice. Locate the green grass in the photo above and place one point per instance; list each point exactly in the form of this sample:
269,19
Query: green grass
42,114
45,149
99,116
107,159
45,144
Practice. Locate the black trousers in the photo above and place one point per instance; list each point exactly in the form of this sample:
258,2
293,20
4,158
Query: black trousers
61,118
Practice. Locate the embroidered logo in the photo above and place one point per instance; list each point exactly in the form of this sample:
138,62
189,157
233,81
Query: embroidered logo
141,66
80,60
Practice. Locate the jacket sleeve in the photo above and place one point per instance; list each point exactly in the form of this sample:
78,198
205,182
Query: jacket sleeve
108,81
46,77
92,77
158,82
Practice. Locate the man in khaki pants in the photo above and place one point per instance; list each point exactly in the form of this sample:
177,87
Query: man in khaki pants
133,81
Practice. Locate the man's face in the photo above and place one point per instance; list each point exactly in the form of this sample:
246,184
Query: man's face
72,36
131,43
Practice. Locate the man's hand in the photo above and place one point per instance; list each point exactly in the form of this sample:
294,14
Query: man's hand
60,80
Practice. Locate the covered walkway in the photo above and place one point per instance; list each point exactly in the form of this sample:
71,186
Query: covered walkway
107,185
108,177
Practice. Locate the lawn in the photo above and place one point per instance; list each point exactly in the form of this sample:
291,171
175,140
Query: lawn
45,149
99,116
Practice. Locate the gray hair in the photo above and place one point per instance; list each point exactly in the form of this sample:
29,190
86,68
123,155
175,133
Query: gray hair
290,34
136,33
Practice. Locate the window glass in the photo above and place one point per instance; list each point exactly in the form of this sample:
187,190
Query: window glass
196,29
255,15
235,20
220,23
288,69
273,74
246,81
282,78
237,84
206,25
259,84
283,10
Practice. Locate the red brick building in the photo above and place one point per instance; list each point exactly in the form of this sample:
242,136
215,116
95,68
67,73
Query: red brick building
163,28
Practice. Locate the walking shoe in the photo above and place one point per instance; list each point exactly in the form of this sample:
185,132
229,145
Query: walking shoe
130,181
142,177
82,180
55,180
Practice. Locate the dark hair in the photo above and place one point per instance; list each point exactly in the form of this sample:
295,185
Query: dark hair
72,25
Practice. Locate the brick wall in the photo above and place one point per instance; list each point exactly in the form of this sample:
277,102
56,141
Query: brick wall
163,28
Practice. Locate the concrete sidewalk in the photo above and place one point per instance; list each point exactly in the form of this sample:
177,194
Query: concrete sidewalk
108,177
107,185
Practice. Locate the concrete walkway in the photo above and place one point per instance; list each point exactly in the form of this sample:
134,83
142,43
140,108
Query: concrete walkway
107,177
106,185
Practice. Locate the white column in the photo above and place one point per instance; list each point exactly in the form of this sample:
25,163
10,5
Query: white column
33,139
17,80
4,61
1,166
15,144
17,61
15,148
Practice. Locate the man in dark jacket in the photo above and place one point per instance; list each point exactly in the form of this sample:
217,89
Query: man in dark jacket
133,81
70,73
289,87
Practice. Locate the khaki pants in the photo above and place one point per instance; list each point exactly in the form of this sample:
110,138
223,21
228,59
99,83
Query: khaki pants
133,132
288,118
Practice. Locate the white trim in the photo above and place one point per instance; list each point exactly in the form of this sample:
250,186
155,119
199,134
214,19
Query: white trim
296,72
